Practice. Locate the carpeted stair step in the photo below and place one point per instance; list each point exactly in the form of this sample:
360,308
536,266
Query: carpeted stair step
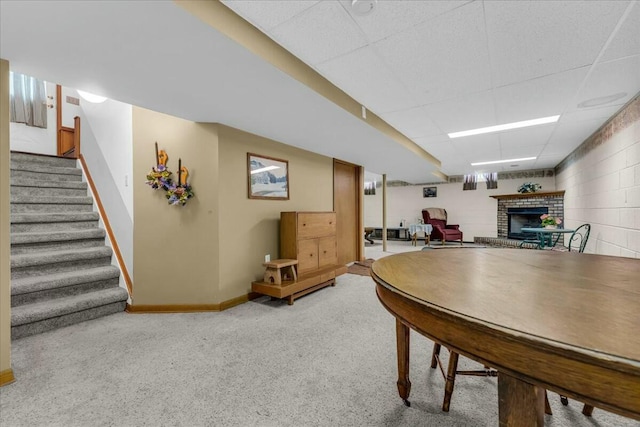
54,161
49,262
24,243
38,217
33,319
29,290
48,191
44,168
48,184
77,221
27,204
43,176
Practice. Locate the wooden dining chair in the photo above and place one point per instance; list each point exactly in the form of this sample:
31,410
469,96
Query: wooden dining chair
452,371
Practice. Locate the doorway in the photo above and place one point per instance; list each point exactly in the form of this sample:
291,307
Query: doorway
347,203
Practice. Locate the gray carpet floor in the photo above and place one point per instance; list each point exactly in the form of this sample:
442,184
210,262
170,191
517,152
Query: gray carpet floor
328,360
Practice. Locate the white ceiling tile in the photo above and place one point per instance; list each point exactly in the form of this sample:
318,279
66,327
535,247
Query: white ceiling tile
366,78
610,78
572,134
463,113
442,58
514,152
482,148
626,42
319,33
535,135
414,123
540,97
266,14
392,17
529,39
588,114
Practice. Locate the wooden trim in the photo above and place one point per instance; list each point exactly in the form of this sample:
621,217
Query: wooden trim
59,126
528,195
191,308
76,136
6,377
107,226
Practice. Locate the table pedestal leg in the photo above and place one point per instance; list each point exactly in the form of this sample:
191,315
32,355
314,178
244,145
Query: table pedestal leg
520,403
404,385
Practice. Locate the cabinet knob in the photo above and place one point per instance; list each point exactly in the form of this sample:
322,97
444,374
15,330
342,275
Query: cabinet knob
311,255
304,225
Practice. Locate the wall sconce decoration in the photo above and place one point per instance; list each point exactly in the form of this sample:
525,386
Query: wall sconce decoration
179,193
160,178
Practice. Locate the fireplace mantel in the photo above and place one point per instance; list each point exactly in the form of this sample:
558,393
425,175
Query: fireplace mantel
529,195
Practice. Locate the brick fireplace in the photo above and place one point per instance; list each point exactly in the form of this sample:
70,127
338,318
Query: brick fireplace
527,203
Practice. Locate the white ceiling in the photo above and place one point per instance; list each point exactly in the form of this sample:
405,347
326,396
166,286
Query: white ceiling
425,67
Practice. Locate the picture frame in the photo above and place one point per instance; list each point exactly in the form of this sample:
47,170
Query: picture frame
430,192
267,177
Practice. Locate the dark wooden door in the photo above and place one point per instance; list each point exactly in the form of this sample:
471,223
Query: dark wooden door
347,203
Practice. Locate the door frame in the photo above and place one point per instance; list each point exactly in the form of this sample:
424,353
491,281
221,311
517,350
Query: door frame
358,200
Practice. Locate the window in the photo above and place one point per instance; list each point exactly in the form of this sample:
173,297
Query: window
28,100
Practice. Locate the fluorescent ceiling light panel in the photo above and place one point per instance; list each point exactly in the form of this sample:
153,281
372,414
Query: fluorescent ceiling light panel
503,161
267,168
508,126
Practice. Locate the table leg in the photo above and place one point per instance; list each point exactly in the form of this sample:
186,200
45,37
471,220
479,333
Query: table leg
520,403
402,338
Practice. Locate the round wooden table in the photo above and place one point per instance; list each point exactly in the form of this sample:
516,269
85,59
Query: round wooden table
567,322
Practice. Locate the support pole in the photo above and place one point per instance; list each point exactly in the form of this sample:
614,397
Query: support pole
384,212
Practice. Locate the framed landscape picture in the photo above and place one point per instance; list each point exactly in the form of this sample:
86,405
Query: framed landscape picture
268,177
430,192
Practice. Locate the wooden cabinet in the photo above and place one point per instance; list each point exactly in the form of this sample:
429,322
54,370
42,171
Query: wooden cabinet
310,238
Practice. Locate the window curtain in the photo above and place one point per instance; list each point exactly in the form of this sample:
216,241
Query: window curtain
492,180
28,101
470,182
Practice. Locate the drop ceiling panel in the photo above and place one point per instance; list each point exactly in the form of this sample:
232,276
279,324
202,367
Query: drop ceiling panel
613,77
413,123
572,134
480,148
513,152
626,42
392,17
541,97
319,33
601,114
266,14
441,58
537,38
535,135
367,79
471,111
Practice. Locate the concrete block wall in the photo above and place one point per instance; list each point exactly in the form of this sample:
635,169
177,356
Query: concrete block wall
601,180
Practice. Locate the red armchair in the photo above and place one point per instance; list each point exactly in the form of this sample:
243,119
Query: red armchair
437,217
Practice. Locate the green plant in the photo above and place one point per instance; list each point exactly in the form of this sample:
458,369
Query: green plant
549,220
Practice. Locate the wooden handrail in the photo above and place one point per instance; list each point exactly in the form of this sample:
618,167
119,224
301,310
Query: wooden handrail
107,225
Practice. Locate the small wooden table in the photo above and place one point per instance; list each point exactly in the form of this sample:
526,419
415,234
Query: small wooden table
426,228
565,322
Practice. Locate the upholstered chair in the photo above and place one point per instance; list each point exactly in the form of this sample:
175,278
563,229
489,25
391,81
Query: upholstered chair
437,217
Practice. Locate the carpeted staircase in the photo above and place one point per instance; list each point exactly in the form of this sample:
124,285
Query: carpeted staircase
61,270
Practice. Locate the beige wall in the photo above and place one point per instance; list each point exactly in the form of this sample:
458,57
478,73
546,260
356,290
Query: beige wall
602,186
475,211
210,250
249,228
175,248
5,241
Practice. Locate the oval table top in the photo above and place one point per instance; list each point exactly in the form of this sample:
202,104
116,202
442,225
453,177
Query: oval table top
589,302
568,322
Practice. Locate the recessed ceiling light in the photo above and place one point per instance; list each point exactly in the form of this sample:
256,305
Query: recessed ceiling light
595,102
96,99
507,126
363,7
503,161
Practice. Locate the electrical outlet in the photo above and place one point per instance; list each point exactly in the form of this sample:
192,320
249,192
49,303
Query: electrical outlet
267,258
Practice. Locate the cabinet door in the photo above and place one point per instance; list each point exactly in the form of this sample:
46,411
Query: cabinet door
307,255
327,252
316,224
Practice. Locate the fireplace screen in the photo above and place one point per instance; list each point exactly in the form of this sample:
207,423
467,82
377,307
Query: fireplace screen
520,218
